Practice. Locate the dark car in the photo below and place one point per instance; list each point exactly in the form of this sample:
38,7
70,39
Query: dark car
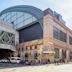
25,62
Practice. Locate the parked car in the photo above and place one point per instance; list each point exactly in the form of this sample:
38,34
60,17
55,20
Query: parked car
22,61
15,59
4,61
36,61
27,62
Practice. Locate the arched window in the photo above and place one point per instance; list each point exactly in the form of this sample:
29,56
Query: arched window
22,49
18,55
56,52
18,19
35,55
26,55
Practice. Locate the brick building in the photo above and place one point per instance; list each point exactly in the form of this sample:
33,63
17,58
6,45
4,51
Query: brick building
43,35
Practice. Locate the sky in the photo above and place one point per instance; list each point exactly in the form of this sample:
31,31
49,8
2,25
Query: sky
63,7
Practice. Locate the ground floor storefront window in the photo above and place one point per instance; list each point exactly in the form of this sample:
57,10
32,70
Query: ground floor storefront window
70,55
56,52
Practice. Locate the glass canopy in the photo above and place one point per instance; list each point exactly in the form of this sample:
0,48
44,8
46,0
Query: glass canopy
18,19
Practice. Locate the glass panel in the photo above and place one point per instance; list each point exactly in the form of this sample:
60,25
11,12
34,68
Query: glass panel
13,18
13,13
8,16
4,17
26,16
19,25
34,19
20,19
27,21
1,18
19,14
15,22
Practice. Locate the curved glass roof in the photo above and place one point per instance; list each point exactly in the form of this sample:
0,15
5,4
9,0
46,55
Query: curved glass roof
18,19
22,15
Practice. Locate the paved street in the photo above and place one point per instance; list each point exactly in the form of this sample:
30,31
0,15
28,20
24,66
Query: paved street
40,68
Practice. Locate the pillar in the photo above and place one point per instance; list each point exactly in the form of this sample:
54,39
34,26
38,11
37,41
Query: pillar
67,55
60,53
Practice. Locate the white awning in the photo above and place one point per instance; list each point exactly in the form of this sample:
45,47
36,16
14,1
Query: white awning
10,47
48,52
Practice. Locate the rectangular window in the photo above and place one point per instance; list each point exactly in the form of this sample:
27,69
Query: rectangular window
60,35
70,55
56,52
70,40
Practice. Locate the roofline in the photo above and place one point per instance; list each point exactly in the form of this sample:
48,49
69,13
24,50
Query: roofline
36,12
23,8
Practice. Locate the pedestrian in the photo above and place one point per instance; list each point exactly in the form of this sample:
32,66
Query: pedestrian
48,61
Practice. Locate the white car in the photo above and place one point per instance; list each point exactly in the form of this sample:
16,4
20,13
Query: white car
4,60
15,60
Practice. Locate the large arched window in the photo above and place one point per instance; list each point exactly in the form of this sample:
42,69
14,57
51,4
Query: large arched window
18,19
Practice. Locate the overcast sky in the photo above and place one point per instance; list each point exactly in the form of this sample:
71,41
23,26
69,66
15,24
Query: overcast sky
63,7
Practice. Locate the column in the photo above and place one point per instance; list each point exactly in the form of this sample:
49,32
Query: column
60,53
67,55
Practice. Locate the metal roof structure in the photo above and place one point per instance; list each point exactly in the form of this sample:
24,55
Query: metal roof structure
37,13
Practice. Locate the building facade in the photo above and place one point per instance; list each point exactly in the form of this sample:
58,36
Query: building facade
43,35
8,37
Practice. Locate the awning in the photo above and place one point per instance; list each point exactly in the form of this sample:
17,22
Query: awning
49,52
10,47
